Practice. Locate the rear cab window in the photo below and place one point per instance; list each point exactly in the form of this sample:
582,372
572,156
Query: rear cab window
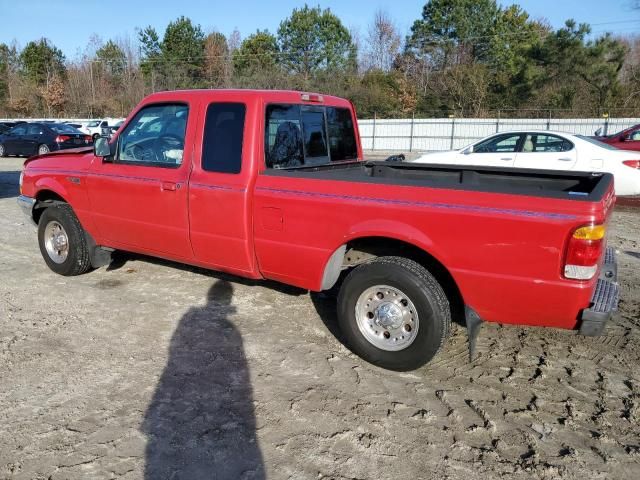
299,135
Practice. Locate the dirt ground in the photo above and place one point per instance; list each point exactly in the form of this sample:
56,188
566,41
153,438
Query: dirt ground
148,369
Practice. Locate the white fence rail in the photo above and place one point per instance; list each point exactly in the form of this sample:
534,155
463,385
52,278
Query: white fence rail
431,134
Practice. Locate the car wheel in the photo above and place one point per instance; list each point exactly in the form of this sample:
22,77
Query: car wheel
62,241
95,137
3,152
393,313
43,149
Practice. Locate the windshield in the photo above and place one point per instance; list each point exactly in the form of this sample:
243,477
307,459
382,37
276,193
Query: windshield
597,143
62,128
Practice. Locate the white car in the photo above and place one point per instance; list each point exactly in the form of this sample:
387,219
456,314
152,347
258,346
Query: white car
94,128
547,150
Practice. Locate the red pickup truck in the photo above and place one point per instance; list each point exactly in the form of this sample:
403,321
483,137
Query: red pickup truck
273,185
628,139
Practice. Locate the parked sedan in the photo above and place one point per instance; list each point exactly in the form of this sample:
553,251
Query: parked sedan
628,139
28,139
548,151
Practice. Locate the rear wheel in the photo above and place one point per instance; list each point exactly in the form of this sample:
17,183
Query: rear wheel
43,149
393,313
62,241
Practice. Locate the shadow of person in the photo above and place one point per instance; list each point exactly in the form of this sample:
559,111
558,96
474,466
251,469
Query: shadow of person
200,423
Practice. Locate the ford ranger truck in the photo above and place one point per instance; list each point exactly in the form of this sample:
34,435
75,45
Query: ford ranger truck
273,185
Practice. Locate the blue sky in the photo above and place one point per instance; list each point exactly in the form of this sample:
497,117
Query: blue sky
70,23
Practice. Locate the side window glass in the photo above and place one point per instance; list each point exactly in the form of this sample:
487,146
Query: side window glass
18,130
635,136
223,134
342,140
540,143
34,129
283,137
500,144
155,136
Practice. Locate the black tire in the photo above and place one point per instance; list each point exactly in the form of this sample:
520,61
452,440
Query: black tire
77,259
423,290
95,137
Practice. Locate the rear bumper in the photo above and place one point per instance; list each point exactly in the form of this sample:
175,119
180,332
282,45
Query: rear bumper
604,300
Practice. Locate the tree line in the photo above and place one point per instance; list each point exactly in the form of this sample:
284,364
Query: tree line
461,57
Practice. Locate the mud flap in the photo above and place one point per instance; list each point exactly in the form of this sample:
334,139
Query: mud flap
474,322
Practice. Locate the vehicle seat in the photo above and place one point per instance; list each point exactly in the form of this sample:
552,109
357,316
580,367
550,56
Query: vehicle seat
287,148
528,145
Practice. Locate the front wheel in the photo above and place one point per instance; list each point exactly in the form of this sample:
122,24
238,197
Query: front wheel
62,241
393,313
3,151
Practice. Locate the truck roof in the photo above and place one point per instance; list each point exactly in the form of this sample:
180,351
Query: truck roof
289,96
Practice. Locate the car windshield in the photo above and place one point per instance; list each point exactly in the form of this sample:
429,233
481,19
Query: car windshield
62,128
597,143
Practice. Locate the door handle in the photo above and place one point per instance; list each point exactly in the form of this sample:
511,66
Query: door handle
565,159
168,186
507,159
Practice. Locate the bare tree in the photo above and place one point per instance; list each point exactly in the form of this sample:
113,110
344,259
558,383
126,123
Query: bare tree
383,43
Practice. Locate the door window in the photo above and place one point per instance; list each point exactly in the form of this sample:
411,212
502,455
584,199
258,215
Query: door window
222,143
35,129
155,136
541,143
499,144
635,136
19,130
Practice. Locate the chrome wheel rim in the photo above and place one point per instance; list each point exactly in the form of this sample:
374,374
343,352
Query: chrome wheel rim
387,318
1,150
56,242
43,149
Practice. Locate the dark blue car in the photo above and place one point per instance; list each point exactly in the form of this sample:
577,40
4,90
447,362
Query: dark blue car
28,139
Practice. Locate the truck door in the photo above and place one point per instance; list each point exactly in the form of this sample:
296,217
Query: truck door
546,152
139,197
219,193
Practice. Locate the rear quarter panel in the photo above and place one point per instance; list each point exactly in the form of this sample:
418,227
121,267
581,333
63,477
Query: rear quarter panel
505,252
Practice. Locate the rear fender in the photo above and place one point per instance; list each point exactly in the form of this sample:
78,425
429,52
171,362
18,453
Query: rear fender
388,229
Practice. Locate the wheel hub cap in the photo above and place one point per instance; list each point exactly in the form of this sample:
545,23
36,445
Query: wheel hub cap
56,242
387,318
388,315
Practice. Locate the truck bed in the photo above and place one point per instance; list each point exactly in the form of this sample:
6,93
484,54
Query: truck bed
581,186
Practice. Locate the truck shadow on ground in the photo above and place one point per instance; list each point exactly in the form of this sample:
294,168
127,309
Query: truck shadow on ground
9,184
200,423
119,260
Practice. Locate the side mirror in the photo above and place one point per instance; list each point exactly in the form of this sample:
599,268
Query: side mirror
101,147
598,132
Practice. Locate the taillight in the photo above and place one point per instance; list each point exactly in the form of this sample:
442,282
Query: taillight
62,138
88,139
632,163
584,251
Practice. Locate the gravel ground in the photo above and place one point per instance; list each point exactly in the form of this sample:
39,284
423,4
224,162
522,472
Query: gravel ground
149,369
